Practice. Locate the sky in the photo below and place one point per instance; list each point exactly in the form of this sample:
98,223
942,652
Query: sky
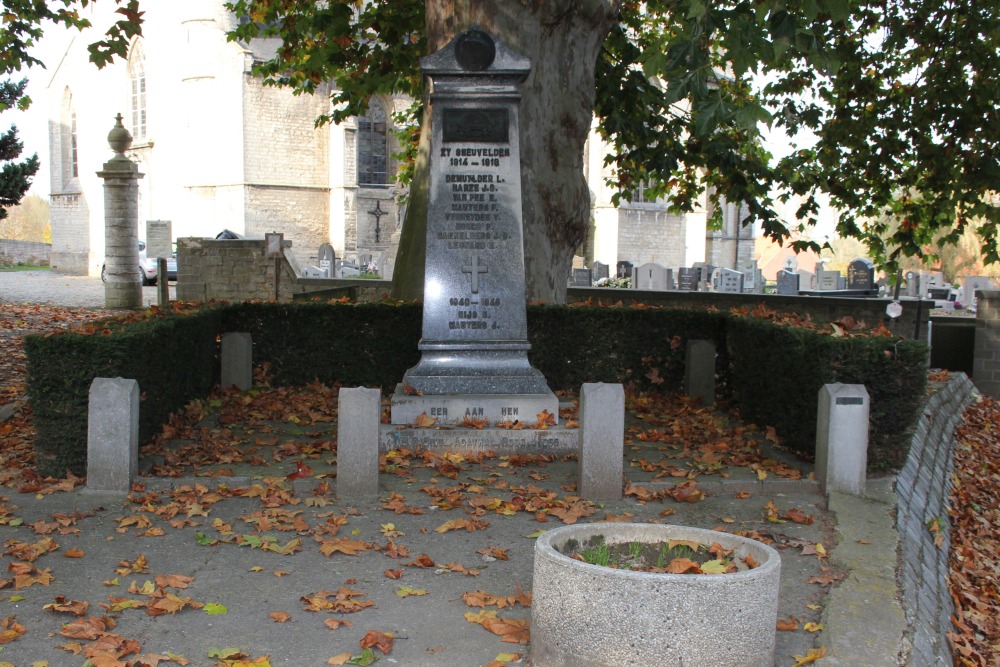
32,125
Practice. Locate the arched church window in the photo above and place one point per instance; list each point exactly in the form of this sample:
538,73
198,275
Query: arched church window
68,159
137,91
373,145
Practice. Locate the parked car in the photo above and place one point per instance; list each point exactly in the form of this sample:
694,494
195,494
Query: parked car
147,267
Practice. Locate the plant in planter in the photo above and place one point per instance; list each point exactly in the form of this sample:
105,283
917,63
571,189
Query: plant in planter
626,606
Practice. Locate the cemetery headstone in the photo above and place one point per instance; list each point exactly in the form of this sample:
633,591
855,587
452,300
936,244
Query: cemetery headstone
912,288
861,275
788,283
687,279
807,280
652,277
827,280
580,278
600,272
474,336
730,281
326,259
624,269
970,284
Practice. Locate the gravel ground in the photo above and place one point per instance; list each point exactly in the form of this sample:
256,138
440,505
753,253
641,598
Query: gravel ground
46,286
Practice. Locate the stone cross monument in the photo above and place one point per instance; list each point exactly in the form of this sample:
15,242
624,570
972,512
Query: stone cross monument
474,345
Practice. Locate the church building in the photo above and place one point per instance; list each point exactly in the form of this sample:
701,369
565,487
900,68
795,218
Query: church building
221,151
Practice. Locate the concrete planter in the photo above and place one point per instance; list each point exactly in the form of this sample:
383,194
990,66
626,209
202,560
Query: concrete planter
585,615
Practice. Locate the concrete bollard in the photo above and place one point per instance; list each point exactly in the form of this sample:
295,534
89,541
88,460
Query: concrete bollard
699,371
842,438
237,360
357,442
112,435
602,434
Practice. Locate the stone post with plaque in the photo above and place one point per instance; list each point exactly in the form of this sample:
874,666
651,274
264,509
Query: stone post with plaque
474,347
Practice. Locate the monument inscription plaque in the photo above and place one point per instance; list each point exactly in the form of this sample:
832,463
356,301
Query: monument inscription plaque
474,338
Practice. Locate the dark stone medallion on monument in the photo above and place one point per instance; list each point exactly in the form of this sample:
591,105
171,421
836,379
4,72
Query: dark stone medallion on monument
475,50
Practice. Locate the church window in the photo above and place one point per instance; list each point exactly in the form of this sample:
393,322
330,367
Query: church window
639,193
373,145
74,156
67,157
137,91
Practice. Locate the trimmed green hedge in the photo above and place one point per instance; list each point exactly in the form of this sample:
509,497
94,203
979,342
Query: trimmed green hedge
777,373
773,373
174,359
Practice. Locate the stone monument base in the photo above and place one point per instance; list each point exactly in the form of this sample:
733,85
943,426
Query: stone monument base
557,440
452,409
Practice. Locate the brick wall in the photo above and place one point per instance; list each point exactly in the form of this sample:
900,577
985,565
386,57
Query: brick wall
70,219
236,270
23,252
986,361
924,488
230,270
651,234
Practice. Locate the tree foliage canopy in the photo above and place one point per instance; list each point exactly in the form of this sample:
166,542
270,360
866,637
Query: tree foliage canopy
15,177
901,99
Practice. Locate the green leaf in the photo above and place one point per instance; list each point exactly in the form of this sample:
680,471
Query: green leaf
223,653
203,540
215,609
714,567
367,657
536,534
406,591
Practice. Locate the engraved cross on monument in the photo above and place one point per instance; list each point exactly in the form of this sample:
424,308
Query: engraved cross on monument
474,347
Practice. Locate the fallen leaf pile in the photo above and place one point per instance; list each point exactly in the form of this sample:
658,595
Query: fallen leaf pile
974,581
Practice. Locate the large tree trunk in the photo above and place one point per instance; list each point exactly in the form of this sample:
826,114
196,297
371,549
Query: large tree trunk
563,39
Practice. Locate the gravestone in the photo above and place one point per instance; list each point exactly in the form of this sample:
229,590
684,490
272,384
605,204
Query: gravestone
729,281
600,272
753,278
912,288
687,279
861,275
624,269
580,278
807,280
652,277
474,343
788,283
705,272
827,280
326,259
972,284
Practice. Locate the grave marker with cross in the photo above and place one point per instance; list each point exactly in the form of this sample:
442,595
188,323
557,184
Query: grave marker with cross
474,338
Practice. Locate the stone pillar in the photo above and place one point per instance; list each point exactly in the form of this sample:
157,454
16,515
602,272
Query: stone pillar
123,286
237,360
986,357
602,441
357,443
112,435
842,438
699,371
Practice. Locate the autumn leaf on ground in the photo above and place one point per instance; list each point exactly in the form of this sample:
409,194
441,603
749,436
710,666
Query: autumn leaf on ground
302,470
62,605
89,628
811,656
342,600
10,629
405,591
26,575
789,624
423,421
512,630
380,640
215,609
172,580
545,420
280,616
73,553
494,552
798,516
334,623
469,525
342,545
